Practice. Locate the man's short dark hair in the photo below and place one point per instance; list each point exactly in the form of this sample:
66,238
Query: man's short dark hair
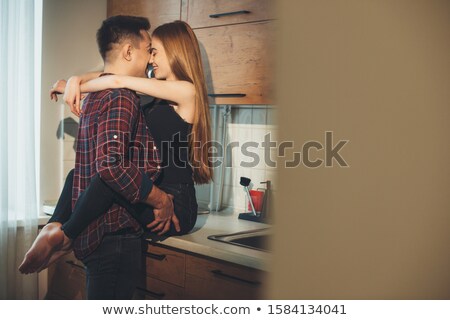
118,28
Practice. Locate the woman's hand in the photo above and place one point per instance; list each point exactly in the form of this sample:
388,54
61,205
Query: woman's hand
72,95
57,88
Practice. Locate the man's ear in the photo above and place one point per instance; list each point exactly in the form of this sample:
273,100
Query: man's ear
127,50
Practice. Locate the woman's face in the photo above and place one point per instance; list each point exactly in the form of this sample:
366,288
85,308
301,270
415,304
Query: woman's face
159,61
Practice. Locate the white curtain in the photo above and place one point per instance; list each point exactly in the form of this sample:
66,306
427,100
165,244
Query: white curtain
18,148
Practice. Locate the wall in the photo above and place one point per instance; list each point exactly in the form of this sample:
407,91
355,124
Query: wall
378,74
69,47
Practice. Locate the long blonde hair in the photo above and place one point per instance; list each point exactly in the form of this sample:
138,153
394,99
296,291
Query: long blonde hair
183,52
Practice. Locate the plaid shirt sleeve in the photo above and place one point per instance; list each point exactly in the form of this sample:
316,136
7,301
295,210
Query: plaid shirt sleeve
113,147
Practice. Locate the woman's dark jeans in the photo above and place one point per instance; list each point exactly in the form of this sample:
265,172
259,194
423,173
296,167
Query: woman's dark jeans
99,197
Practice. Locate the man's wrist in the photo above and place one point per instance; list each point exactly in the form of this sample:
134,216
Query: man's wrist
146,186
76,79
156,198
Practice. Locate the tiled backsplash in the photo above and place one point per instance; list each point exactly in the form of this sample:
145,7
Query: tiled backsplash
244,124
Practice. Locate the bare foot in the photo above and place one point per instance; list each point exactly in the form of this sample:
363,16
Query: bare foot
50,239
64,249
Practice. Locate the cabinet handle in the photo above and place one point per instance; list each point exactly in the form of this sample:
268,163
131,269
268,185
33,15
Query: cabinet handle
218,15
227,95
73,264
151,293
159,257
224,275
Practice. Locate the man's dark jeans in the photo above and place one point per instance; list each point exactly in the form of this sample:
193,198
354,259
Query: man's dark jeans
114,269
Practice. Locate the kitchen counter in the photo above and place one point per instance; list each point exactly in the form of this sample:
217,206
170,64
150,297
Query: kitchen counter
215,223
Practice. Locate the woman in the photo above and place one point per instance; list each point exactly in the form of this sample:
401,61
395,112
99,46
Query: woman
179,122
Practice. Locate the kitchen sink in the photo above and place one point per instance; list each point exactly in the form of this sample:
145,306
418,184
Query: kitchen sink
254,239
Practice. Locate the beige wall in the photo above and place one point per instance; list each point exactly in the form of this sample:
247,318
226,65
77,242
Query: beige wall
69,48
378,74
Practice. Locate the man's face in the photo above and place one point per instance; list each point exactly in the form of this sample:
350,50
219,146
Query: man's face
141,55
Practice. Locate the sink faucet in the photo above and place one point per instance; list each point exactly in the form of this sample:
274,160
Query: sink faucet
252,216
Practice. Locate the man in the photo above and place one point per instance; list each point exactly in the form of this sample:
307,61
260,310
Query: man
113,142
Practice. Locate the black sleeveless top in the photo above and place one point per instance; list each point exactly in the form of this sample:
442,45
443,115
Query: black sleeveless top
170,133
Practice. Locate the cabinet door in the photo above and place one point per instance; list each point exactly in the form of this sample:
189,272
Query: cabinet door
157,11
238,60
208,13
207,279
166,265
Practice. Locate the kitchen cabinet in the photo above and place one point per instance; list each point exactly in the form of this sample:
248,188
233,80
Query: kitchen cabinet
174,274
214,279
157,11
225,12
236,39
237,44
165,274
159,290
237,62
